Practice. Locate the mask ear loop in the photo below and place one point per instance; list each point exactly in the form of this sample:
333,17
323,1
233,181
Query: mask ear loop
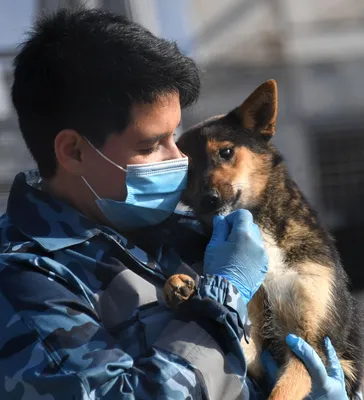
104,157
89,186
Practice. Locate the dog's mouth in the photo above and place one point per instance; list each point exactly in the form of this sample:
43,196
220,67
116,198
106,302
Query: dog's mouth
212,203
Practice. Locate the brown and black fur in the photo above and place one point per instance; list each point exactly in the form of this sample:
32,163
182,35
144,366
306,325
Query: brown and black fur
233,165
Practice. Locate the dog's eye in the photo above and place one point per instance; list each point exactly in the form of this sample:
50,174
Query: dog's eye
226,154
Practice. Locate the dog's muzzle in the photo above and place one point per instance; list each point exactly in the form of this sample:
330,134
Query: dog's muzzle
210,201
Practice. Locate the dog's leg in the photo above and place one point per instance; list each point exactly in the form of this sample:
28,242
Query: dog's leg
253,349
294,382
252,352
300,304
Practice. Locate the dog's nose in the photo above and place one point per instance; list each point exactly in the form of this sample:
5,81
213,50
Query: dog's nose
210,201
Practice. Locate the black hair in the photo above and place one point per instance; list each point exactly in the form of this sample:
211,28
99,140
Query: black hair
83,70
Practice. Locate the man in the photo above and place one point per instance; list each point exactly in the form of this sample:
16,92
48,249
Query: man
89,239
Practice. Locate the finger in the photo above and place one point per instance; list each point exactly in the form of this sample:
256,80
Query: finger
240,221
257,231
271,367
334,369
220,230
310,358
242,216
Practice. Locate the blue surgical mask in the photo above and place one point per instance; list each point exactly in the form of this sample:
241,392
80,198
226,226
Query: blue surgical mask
153,192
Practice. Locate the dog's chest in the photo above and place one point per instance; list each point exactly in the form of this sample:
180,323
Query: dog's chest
280,277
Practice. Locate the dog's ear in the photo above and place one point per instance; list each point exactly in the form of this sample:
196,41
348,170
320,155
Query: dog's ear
259,111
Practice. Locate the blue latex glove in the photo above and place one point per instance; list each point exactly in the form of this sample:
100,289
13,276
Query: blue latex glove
236,252
326,385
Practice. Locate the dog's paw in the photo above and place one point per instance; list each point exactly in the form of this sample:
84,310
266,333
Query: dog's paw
177,289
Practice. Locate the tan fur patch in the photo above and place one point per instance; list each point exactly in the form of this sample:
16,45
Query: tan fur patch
349,369
252,352
253,349
316,285
294,384
252,169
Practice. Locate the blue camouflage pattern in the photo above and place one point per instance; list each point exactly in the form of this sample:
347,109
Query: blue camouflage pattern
81,307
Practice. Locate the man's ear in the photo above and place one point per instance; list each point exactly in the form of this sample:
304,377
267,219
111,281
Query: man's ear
68,146
258,113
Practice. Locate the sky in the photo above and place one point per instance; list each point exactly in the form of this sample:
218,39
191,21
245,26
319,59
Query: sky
15,18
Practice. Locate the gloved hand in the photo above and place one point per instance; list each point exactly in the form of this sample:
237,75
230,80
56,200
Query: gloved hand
326,385
236,252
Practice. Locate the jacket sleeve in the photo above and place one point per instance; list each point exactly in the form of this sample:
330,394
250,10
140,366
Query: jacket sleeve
53,345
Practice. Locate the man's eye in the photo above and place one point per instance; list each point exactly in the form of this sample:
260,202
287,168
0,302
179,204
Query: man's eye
150,150
226,154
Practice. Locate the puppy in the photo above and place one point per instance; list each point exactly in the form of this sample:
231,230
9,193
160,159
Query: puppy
233,165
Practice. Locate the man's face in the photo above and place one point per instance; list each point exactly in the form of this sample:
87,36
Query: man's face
148,138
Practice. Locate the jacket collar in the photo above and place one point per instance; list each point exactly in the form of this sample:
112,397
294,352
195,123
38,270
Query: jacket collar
48,221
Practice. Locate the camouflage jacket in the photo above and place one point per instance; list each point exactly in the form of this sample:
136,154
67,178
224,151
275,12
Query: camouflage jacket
82,315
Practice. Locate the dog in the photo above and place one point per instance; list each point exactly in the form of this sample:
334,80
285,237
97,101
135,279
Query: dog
232,165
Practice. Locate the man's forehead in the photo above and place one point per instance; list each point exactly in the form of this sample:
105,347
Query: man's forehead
154,121
162,104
